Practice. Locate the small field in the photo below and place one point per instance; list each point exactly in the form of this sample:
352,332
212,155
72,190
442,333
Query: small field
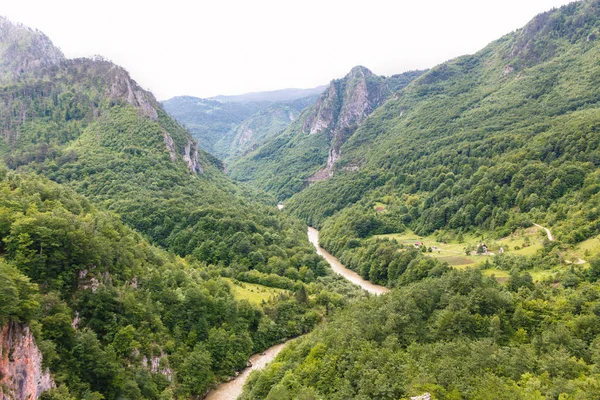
528,241
252,292
588,248
451,251
523,242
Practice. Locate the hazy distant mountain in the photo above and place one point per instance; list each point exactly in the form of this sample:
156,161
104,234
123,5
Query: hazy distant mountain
272,96
227,126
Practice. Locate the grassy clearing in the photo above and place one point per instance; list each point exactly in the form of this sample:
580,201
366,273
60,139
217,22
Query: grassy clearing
589,248
501,276
450,251
528,240
524,242
252,292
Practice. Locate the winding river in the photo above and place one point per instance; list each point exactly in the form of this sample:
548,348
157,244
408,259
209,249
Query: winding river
338,267
232,389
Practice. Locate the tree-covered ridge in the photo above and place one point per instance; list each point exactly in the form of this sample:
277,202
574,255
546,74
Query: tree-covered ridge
85,123
119,317
308,148
458,336
484,142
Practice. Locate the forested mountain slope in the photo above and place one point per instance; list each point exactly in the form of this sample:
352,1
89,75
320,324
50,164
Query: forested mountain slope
114,316
458,336
308,149
481,145
488,142
87,124
228,126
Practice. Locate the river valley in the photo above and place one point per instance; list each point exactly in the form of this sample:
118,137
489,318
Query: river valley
232,389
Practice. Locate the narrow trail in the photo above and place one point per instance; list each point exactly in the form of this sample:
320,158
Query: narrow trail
338,267
550,237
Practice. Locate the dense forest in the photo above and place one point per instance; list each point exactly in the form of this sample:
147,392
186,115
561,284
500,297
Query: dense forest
484,144
456,336
471,190
142,270
118,317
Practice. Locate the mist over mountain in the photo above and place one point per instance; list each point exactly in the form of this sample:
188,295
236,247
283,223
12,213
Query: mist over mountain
227,129
272,96
23,50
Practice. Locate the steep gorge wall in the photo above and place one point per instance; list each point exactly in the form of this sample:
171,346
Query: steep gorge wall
21,373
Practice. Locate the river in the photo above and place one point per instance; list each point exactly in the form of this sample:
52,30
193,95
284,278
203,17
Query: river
338,267
232,389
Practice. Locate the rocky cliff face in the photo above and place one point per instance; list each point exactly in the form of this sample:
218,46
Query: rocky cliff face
125,88
21,374
345,104
23,50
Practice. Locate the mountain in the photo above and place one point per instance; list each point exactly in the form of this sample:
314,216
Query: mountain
23,50
308,149
273,96
484,143
124,248
229,128
466,158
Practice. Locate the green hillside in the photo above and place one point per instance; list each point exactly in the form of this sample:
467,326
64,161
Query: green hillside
228,126
490,142
459,336
478,149
115,230
116,316
308,149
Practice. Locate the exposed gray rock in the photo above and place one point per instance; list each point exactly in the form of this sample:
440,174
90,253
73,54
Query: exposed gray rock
170,145
125,88
342,108
191,157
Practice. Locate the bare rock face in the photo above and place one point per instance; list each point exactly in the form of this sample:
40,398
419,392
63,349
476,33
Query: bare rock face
191,157
324,115
123,87
170,145
342,108
21,373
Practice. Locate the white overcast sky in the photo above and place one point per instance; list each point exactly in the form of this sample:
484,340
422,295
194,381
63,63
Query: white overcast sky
204,48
